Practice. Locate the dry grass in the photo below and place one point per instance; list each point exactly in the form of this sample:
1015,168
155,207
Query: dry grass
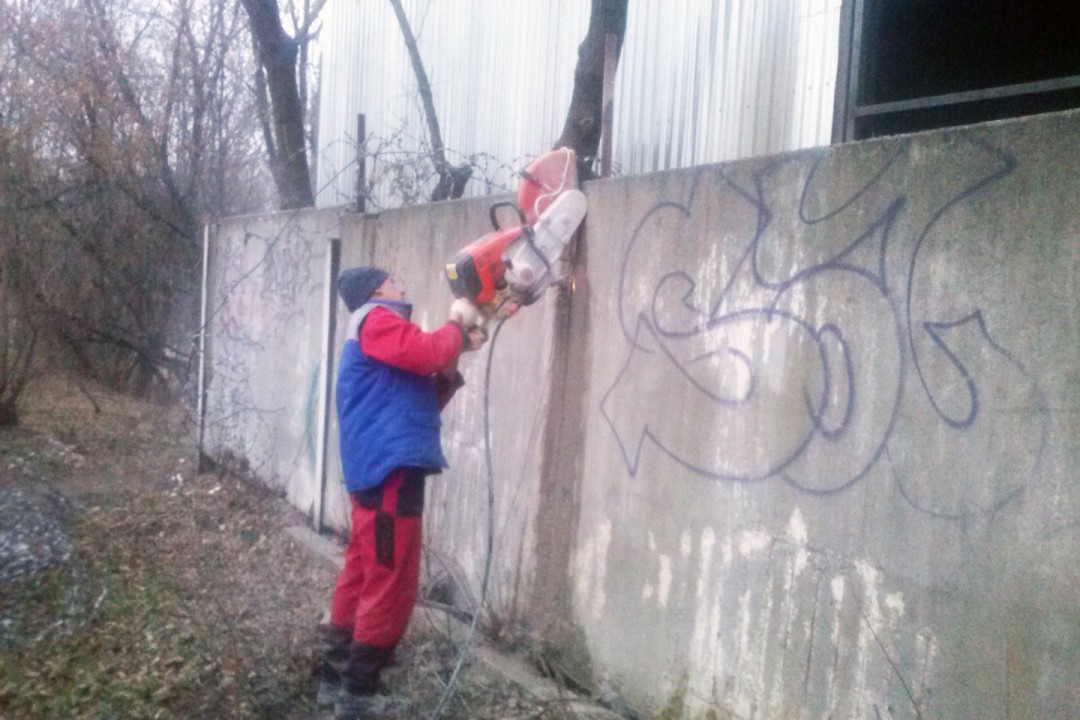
183,597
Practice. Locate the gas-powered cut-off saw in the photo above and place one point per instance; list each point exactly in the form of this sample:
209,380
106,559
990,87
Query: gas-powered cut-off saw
517,264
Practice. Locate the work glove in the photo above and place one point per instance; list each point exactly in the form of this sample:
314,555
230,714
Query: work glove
465,314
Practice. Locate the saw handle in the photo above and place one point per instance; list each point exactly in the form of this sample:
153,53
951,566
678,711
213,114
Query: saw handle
493,213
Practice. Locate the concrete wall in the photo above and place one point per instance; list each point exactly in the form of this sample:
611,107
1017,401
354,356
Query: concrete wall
799,443
264,328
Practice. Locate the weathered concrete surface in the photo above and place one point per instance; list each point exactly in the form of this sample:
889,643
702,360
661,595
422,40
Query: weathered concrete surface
264,331
800,443
831,431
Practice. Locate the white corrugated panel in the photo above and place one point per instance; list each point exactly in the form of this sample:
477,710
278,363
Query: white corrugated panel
699,81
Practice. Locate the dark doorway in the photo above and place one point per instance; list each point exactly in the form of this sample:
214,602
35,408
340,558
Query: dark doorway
908,65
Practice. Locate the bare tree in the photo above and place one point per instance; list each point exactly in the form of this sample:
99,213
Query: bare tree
278,55
18,321
121,126
584,120
452,179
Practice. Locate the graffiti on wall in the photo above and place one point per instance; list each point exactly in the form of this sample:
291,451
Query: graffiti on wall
796,317
264,279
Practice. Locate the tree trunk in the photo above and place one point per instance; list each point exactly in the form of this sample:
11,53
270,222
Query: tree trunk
584,120
9,412
278,54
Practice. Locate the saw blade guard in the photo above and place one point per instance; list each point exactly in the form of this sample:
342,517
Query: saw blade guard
544,179
537,259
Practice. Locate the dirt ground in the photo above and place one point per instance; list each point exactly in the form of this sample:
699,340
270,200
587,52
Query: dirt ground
133,587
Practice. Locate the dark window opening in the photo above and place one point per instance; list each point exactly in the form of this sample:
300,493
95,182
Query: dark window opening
908,65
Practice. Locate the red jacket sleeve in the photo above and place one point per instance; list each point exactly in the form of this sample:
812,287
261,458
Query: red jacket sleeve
399,343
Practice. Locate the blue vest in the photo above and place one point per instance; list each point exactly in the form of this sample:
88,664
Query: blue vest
387,418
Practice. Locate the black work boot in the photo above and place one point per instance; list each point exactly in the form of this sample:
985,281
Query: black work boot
331,658
363,706
362,693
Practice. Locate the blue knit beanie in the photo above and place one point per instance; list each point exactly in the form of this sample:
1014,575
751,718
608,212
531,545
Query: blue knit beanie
357,285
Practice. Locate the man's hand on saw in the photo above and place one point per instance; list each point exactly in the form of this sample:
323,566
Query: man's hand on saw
468,317
477,338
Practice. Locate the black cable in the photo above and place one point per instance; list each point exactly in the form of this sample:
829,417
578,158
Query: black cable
490,531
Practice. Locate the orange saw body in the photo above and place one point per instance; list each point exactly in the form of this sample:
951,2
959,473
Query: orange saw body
517,264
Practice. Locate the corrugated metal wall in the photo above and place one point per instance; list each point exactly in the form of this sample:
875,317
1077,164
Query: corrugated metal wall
699,81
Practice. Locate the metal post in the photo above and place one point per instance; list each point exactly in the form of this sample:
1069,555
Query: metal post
361,163
607,118
842,100
202,465
326,384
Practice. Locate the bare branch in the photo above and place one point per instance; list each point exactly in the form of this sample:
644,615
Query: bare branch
452,180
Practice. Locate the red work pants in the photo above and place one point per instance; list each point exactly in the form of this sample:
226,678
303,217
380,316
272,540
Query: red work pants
376,590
